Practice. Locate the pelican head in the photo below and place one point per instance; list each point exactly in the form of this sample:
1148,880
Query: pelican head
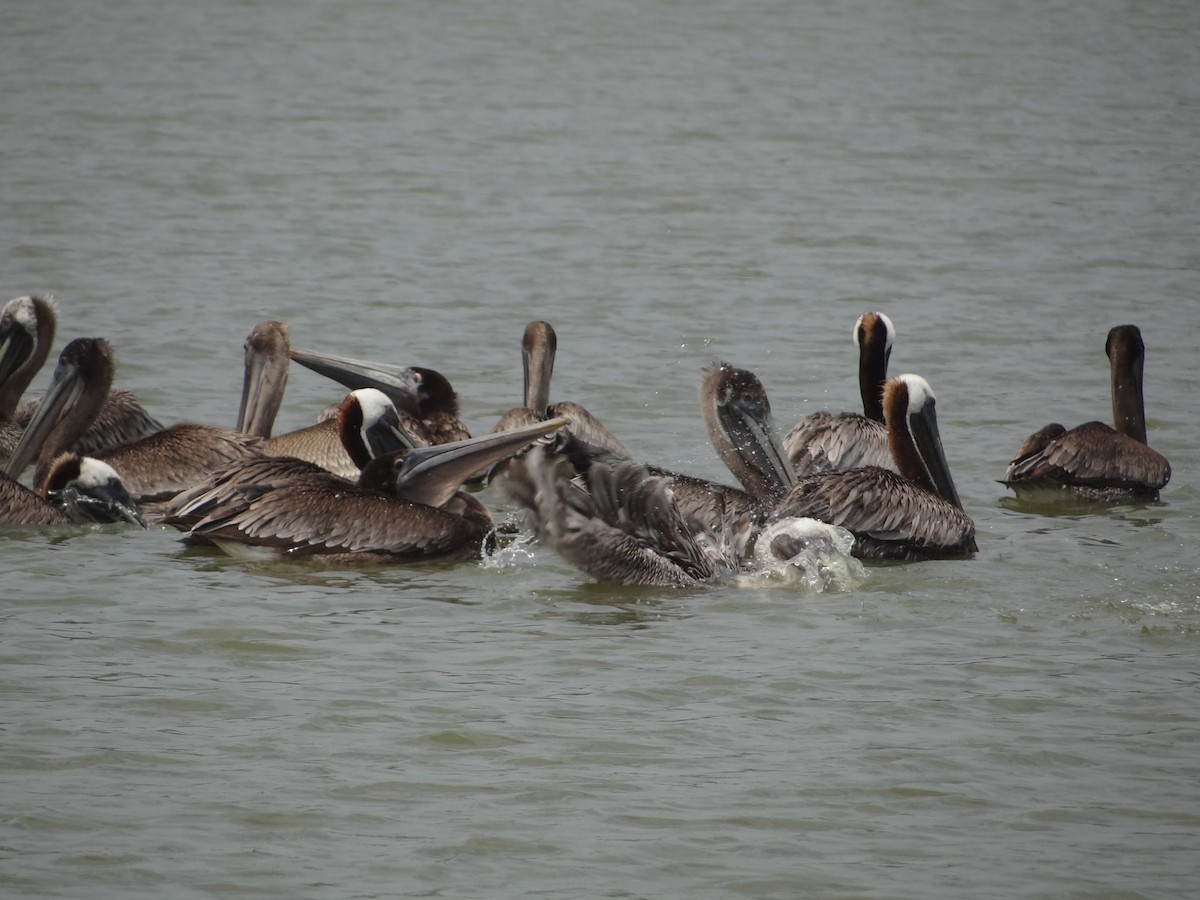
266,350
80,383
370,427
539,346
738,415
911,410
412,388
1127,355
90,490
27,327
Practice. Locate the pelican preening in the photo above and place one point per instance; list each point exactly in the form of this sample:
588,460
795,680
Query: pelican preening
366,425
406,506
1095,461
68,488
77,490
827,441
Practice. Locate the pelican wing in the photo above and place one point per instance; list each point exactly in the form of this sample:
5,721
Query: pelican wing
890,517
616,521
829,442
232,482
324,515
320,444
21,506
163,464
1092,455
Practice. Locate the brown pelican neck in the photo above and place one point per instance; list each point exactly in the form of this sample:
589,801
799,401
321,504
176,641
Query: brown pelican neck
432,475
873,333
80,383
27,328
538,349
738,416
1127,354
916,444
266,372
369,426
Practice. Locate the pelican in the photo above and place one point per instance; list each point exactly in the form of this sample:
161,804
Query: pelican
827,441
424,393
153,467
407,506
77,490
27,328
913,515
1095,461
618,521
539,346
367,425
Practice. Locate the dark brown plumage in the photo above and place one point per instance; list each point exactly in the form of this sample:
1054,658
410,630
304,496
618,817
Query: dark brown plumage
1096,461
406,506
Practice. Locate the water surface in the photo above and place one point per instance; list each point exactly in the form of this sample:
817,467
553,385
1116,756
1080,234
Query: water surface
668,183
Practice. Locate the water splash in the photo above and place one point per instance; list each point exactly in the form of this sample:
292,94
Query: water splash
510,551
808,553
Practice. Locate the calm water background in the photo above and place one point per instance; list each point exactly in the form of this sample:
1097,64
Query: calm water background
668,183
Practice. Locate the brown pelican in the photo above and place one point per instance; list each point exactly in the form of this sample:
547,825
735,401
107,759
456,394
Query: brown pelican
367,425
617,521
1094,461
153,467
77,490
424,393
914,515
539,346
407,506
27,328
827,441
68,488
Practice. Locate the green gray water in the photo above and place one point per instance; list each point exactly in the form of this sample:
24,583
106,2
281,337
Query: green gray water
667,183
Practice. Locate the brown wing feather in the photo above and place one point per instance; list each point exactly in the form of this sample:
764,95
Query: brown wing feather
163,464
828,442
21,506
1093,455
890,517
320,444
231,482
324,515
